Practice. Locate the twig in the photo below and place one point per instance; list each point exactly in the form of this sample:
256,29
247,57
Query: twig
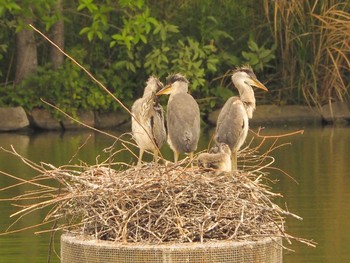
99,84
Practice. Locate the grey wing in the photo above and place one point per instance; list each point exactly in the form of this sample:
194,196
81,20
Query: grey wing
158,125
230,123
184,122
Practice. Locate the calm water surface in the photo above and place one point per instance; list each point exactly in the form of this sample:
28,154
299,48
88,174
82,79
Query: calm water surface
318,160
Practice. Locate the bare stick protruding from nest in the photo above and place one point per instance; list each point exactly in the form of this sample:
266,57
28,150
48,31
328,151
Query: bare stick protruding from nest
99,84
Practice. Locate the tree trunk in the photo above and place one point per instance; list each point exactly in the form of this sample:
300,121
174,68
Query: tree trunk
57,36
26,53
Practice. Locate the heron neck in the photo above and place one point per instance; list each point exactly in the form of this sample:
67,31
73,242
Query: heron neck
246,95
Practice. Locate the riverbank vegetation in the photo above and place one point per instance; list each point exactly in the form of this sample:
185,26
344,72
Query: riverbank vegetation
299,49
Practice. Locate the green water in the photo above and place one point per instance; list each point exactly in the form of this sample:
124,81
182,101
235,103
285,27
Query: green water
318,160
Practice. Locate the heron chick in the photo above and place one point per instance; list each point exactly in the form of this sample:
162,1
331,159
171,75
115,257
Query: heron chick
233,121
183,117
147,123
219,160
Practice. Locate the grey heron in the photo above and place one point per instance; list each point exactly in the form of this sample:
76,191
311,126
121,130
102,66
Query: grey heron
233,121
219,160
183,117
147,125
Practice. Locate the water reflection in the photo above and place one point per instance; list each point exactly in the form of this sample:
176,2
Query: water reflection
318,160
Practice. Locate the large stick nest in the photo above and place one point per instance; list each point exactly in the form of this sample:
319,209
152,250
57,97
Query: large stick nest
156,203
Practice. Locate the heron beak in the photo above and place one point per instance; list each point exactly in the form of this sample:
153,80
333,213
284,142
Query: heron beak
258,84
165,90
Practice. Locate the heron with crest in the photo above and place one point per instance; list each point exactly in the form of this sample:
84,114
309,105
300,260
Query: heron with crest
183,117
147,123
233,121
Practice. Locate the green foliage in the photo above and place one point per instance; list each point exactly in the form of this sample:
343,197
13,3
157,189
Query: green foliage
135,30
99,19
195,61
8,5
163,29
258,57
28,9
148,45
66,87
157,60
301,48
123,42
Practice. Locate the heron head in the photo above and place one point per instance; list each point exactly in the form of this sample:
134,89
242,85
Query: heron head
153,85
245,75
244,79
175,83
224,148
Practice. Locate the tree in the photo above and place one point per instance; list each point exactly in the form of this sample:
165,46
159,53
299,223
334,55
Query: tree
26,52
57,36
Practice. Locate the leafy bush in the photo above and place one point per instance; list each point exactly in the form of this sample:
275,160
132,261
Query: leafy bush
146,45
258,57
126,41
68,88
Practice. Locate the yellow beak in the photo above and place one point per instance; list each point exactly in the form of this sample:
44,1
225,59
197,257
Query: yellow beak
165,90
258,84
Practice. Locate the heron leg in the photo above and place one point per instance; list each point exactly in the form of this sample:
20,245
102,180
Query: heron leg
140,157
191,158
155,156
176,156
234,161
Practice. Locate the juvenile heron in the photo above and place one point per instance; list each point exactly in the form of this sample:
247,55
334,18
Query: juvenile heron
183,117
147,125
219,160
232,124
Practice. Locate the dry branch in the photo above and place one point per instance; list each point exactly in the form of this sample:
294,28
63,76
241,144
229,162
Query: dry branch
157,203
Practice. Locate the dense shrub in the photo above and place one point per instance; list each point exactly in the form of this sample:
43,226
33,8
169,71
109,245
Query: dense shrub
301,57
